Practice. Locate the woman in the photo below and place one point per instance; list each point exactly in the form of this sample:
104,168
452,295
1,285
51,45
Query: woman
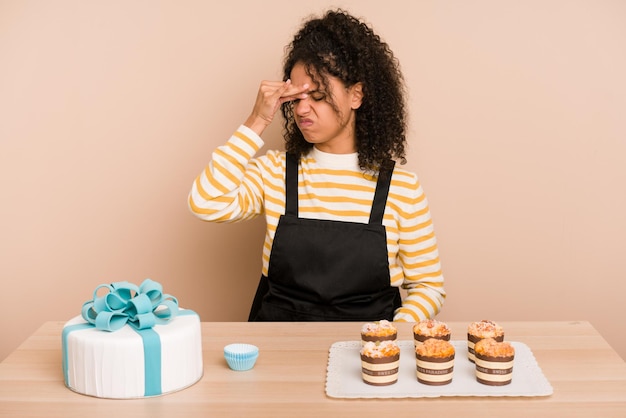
345,227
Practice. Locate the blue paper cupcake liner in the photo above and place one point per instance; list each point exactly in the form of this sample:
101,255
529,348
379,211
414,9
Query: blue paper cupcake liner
240,356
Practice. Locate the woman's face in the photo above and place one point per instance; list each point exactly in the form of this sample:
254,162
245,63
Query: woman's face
326,117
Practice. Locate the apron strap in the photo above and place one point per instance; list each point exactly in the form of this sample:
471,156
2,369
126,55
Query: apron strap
380,196
291,185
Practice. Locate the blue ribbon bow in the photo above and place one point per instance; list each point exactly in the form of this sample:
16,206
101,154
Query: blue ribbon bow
141,307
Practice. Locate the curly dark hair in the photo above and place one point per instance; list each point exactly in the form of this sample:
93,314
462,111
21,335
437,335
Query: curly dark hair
340,45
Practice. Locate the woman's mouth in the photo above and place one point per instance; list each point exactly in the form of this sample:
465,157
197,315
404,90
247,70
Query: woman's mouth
304,123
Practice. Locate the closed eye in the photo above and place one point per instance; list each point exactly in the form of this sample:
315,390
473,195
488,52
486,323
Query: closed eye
317,95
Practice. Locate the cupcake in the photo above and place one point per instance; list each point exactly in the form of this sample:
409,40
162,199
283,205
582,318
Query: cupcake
476,331
430,328
434,359
494,362
378,331
380,363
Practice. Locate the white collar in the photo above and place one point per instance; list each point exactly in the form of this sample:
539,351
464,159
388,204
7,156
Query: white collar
347,161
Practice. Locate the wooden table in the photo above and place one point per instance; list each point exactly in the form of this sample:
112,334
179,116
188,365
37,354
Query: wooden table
587,375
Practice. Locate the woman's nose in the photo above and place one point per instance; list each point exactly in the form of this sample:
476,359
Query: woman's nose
302,106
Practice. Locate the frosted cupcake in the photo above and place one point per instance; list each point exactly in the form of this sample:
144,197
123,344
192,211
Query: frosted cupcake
477,331
434,359
494,362
430,328
380,363
378,331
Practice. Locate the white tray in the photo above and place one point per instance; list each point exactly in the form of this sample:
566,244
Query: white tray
343,378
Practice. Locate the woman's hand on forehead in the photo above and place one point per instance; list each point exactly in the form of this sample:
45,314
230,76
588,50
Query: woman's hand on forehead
271,95
294,92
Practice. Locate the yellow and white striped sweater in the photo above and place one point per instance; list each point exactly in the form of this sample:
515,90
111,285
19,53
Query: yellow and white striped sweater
235,187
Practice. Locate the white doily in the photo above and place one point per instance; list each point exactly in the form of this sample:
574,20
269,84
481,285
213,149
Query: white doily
343,379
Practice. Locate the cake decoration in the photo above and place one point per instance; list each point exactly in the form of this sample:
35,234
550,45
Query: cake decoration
141,307
131,342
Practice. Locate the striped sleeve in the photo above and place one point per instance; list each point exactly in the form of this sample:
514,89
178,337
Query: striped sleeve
229,188
417,253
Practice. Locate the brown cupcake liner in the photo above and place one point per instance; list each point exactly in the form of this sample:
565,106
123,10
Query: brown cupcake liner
380,360
495,359
377,338
424,370
370,376
493,383
421,338
475,338
496,372
381,383
432,383
434,359
435,372
388,372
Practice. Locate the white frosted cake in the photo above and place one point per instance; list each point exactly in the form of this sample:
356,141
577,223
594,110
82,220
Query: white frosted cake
132,361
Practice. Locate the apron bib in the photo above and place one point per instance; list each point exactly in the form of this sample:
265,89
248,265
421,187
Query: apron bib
324,270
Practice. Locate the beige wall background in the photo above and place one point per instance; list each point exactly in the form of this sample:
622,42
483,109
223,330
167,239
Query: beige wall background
110,109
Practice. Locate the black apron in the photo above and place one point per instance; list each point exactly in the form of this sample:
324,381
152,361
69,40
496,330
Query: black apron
324,270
